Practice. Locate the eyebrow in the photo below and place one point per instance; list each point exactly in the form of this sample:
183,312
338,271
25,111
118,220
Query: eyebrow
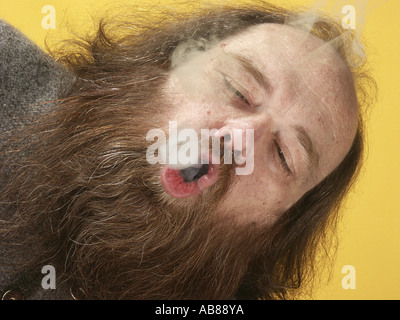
311,154
260,78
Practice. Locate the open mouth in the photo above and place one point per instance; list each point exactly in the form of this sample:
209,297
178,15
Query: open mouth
189,181
192,180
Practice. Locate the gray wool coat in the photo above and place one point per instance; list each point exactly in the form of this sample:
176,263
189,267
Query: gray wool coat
28,76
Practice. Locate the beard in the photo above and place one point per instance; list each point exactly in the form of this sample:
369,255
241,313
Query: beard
81,187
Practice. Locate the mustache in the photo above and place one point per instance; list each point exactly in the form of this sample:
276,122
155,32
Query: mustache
186,147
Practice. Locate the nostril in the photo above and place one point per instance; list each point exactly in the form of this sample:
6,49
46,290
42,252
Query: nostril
194,173
227,138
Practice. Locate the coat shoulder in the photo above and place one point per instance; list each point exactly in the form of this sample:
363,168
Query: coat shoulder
29,78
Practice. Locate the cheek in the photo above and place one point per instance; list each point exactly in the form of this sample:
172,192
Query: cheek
249,203
186,109
264,191
256,195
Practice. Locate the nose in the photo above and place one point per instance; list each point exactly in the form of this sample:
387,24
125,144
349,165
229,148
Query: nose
260,123
242,133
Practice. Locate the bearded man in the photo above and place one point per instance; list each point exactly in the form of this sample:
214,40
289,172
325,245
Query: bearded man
78,192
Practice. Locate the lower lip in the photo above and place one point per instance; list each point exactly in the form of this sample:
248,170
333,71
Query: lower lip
174,185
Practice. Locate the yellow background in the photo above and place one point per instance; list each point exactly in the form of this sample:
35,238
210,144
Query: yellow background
369,233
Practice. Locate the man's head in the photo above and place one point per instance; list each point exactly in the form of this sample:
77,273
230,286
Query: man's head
120,227
292,89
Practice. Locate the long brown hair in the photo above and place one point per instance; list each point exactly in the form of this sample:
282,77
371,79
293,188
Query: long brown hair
56,159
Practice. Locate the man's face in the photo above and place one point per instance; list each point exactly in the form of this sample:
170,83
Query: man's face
292,89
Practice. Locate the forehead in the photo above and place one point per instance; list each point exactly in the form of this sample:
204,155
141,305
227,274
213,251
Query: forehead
285,48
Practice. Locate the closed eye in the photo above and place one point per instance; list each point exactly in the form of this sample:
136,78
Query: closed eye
231,85
282,159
